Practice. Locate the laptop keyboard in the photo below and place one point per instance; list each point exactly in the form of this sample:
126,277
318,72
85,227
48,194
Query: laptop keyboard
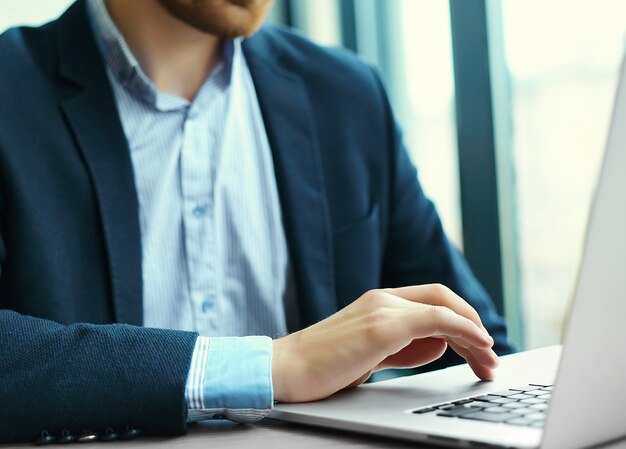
523,406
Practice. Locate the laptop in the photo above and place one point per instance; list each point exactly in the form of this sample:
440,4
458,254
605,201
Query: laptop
551,398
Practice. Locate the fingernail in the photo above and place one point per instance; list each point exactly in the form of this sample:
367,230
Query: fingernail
495,358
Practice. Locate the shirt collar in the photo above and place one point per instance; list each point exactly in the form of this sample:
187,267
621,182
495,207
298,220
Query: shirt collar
126,69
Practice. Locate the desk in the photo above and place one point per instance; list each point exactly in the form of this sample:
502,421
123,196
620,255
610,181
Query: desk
267,434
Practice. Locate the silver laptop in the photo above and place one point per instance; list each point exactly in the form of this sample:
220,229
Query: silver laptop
551,398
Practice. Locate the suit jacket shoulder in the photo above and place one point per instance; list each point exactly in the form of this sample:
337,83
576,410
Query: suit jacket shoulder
331,72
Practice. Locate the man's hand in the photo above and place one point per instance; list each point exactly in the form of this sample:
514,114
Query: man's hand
391,328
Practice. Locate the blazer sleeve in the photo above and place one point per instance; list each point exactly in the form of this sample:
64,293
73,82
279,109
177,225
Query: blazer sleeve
417,250
84,376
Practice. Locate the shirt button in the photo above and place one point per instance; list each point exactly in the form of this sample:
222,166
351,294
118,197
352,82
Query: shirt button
206,306
193,113
199,211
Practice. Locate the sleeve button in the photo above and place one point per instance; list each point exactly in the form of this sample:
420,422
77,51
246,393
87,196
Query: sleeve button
65,437
109,435
45,438
131,432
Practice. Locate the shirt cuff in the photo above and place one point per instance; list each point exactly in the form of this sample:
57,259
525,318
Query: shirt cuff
230,378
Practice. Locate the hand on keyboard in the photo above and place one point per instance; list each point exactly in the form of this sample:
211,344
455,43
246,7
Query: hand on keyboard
391,328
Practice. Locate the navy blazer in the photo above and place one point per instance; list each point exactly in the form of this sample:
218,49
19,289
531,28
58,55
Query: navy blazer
73,353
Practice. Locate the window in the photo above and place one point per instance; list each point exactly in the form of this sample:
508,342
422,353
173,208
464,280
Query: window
424,103
552,77
562,57
21,12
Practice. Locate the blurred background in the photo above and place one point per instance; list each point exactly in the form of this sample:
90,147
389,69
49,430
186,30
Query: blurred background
505,107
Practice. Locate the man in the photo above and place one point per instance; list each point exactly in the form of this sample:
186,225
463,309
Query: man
160,177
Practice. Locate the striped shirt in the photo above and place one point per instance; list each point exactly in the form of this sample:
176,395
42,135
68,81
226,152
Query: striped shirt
214,253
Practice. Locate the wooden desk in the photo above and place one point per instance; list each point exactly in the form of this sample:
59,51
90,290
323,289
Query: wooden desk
268,434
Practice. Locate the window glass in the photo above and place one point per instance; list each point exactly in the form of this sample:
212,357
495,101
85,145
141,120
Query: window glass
563,57
318,19
424,101
30,12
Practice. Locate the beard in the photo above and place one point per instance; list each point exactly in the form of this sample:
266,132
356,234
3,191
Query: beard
223,18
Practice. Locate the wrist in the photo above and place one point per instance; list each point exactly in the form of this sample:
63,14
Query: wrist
277,370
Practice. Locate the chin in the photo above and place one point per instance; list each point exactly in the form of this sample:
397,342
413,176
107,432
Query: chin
225,18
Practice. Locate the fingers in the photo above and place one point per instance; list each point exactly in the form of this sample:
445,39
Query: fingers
379,330
438,321
483,356
423,351
482,364
423,321
417,353
438,295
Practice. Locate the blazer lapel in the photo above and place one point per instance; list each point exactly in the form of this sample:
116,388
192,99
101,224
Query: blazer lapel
92,116
292,134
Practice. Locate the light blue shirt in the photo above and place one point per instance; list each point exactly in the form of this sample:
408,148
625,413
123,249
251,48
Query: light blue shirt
215,256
